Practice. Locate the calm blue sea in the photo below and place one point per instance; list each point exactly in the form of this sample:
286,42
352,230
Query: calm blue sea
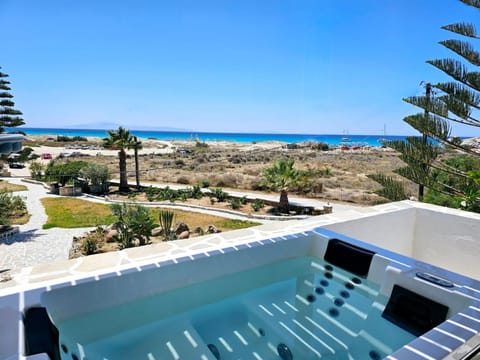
331,139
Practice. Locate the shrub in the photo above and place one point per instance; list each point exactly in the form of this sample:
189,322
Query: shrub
220,194
392,189
89,245
179,163
235,203
320,146
244,200
63,173
11,205
62,138
183,180
204,183
257,205
36,170
134,222
95,174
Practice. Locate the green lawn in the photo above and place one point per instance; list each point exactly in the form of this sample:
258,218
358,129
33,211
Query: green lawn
5,186
72,213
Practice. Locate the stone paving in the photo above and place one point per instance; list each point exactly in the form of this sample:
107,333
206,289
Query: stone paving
34,245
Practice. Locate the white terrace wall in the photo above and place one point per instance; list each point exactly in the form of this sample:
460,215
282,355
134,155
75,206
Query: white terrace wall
392,230
444,237
449,239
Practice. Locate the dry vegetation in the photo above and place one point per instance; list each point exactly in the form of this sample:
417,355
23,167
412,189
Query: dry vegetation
336,175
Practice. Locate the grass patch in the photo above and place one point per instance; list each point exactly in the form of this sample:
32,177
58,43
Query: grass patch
194,219
232,224
5,186
73,213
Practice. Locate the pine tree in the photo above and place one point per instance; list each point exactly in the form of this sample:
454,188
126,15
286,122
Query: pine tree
9,117
455,101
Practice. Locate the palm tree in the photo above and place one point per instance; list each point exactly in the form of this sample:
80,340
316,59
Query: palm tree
122,140
281,176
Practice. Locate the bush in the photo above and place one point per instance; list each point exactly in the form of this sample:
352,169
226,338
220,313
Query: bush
320,146
62,138
183,180
11,205
179,163
64,173
36,170
204,183
392,189
235,203
134,222
220,194
89,245
244,200
257,205
95,174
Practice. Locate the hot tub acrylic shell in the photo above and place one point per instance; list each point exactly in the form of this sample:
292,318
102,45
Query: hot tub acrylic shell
86,295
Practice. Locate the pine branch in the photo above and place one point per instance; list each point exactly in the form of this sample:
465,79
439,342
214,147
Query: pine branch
431,125
474,3
465,29
464,49
5,95
433,105
460,92
458,71
7,103
8,111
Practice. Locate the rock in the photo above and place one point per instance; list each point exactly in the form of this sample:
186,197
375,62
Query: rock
212,229
110,227
180,227
184,235
158,231
198,230
111,235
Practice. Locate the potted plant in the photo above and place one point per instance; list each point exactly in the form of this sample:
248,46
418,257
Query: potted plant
97,176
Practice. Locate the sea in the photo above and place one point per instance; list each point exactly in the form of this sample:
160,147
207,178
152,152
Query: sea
330,139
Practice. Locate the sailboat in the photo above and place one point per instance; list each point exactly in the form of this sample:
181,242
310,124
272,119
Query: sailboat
345,137
384,138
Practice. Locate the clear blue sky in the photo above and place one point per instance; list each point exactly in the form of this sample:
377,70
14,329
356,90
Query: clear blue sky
295,66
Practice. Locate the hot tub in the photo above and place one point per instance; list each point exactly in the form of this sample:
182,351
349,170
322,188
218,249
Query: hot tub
303,295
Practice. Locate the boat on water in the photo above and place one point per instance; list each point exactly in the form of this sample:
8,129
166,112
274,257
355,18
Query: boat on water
384,137
345,137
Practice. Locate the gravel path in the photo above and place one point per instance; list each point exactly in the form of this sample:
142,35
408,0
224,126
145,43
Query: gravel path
34,245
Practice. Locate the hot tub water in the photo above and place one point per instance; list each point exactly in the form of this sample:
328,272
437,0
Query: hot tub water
303,308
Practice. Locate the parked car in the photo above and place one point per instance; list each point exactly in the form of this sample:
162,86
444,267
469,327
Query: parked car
16,165
46,156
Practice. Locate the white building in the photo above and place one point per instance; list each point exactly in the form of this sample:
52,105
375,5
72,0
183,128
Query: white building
10,143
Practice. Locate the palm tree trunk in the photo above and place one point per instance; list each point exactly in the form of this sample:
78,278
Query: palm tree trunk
283,204
122,163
